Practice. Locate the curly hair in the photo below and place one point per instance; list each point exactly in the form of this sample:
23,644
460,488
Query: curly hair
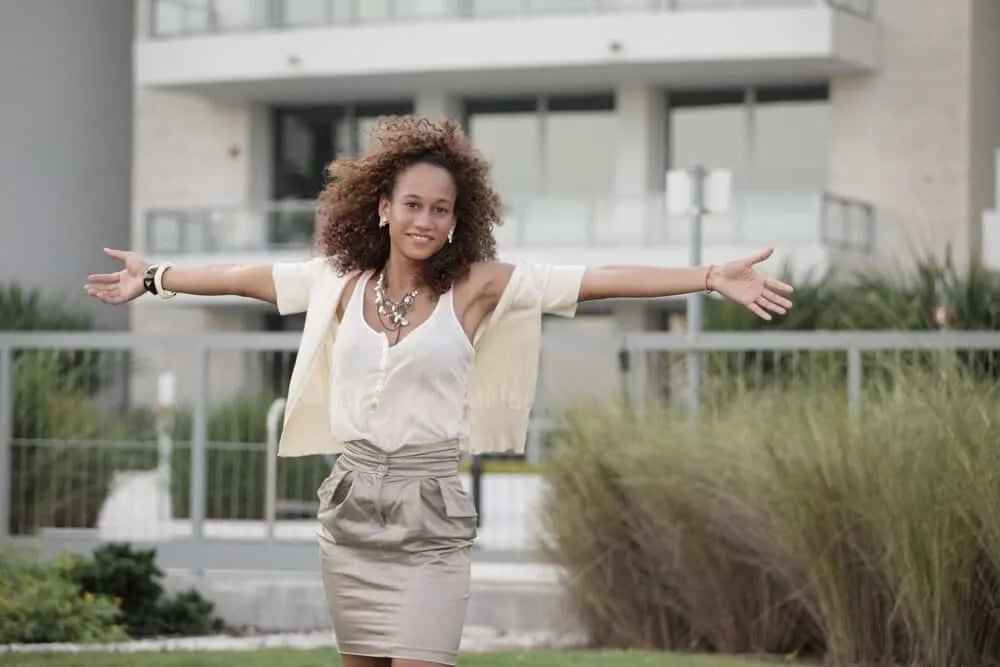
348,206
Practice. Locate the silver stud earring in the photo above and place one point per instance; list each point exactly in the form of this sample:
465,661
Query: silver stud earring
451,234
383,222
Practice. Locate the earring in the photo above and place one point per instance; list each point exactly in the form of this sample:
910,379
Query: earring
451,234
383,222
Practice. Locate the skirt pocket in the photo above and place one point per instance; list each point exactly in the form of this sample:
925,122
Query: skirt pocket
447,510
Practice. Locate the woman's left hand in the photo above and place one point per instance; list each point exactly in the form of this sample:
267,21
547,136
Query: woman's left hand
740,282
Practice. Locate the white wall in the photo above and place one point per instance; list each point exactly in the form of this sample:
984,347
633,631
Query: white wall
65,143
588,42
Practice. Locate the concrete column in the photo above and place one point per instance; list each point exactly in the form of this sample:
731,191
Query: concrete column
641,159
260,156
437,106
642,139
984,114
917,137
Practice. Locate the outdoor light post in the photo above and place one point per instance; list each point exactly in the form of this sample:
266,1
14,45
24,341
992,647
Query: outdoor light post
696,192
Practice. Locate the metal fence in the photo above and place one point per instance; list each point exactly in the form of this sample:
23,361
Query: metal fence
170,441
179,18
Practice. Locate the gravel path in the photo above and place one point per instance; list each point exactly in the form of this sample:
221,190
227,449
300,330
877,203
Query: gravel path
474,640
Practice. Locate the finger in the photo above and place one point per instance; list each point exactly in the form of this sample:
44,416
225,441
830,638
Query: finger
761,256
779,286
759,312
767,304
776,298
117,254
104,292
104,278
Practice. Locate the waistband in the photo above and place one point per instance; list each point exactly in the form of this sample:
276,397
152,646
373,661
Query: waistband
439,459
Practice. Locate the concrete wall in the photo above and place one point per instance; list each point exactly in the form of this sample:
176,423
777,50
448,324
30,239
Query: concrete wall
917,138
65,133
190,152
984,113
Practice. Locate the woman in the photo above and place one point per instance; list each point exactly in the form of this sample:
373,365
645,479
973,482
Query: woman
417,345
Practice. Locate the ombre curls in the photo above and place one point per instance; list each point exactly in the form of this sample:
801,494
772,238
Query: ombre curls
348,206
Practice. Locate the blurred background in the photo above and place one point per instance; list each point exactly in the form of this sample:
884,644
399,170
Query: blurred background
857,137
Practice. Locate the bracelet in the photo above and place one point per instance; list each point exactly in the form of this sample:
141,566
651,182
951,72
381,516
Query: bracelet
158,282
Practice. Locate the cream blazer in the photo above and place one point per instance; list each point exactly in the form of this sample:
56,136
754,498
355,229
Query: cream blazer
504,373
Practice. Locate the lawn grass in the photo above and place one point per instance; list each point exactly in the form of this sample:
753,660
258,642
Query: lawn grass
328,658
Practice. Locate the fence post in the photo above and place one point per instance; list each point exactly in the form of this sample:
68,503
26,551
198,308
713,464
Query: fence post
624,375
6,437
271,485
199,443
854,368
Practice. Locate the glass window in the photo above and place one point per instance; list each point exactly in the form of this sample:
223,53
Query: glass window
790,144
709,131
512,143
239,14
580,153
179,17
308,139
373,10
490,7
306,12
553,161
556,147
770,138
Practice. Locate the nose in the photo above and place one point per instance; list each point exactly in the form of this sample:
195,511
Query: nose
423,221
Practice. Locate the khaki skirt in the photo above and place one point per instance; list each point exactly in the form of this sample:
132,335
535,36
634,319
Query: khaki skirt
396,532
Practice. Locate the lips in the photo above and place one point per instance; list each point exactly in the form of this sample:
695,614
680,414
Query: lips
420,238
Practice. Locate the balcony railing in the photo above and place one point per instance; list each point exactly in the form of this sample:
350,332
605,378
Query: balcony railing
180,18
277,226
788,218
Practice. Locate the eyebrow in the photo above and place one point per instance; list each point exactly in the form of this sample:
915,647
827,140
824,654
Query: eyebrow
441,200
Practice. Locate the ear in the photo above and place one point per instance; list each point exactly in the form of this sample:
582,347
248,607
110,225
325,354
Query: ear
383,208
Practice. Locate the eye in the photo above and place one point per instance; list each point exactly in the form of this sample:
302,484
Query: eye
411,204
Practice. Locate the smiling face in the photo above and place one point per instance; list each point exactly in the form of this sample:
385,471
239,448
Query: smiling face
421,211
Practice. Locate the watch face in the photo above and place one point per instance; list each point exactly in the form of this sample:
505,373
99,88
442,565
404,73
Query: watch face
147,280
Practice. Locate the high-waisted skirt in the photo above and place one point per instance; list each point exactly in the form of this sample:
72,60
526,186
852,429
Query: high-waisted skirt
395,537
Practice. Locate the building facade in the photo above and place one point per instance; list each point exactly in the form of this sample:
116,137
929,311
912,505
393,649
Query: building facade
855,130
65,145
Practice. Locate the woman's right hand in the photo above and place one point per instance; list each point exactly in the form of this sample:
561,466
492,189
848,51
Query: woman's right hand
122,286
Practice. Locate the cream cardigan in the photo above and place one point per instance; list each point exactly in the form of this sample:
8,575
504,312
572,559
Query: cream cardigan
503,377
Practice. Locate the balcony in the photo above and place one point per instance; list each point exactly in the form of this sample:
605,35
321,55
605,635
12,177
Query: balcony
274,49
805,227
184,18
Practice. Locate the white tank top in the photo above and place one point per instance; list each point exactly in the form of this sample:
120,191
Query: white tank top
413,392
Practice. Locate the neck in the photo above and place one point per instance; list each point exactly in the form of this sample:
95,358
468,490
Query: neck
402,274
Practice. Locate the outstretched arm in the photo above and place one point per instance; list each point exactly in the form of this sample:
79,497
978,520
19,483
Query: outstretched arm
256,282
738,281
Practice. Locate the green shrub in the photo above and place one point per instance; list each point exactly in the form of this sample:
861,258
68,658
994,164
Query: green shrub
39,603
132,576
877,300
66,448
782,526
